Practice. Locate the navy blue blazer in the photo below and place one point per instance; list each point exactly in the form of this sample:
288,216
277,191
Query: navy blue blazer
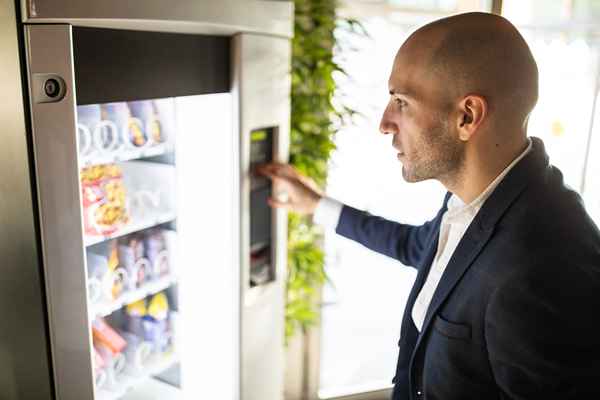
516,314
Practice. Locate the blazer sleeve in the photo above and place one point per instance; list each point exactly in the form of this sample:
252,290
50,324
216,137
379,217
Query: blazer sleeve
541,329
406,243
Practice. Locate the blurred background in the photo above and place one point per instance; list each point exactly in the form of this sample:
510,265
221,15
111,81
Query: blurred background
362,304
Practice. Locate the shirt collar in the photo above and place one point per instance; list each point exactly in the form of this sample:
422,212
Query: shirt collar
458,209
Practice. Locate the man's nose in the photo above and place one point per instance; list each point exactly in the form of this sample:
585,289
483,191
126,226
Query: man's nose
386,126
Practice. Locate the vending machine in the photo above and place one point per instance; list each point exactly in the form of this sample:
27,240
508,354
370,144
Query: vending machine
161,265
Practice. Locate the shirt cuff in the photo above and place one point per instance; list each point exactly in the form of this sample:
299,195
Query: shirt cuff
327,214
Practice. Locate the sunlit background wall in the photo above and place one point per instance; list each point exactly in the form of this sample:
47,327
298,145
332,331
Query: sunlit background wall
364,303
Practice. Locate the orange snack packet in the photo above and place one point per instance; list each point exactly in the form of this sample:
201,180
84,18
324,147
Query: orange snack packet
105,334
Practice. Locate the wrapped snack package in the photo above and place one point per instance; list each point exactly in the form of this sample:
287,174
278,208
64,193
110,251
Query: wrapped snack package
135,312
164,117
154,126
156,252
104,199
150,322
141,111
131,258
119,276
106,336
156,323
109,346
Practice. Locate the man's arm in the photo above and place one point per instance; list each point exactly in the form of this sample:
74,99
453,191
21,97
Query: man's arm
403,242
542,335
406,243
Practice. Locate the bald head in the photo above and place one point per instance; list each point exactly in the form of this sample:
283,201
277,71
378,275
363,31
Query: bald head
461,91
477,53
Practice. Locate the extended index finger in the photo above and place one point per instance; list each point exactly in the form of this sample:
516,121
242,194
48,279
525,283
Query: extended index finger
267,170
273,170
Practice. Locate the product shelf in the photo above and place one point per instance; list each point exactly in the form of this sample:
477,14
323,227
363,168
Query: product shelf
126,155
133,226
148,289
129,381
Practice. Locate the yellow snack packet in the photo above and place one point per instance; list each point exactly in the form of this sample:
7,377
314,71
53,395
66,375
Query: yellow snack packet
159,306
137,308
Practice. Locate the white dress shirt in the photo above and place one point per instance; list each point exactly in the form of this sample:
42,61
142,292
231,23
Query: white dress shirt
455,222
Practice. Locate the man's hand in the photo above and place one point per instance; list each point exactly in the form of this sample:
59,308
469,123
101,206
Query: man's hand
291,190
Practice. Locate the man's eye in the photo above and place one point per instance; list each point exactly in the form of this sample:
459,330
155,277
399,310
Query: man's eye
400,102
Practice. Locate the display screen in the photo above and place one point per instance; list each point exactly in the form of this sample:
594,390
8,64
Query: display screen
261,266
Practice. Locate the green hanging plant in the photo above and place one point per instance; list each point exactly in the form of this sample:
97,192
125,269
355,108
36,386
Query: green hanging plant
314,121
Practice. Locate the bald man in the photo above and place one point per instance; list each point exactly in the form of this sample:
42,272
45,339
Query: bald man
506,303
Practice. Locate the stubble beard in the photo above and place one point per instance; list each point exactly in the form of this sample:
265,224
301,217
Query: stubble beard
441,157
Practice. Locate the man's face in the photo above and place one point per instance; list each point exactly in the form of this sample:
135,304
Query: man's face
424,135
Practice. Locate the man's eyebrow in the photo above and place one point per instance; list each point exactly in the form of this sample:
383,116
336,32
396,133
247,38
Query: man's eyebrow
394,92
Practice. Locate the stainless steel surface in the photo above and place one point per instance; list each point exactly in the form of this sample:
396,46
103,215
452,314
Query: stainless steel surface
223,17
49,51
24,365
262,86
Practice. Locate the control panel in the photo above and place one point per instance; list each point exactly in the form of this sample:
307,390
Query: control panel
261,222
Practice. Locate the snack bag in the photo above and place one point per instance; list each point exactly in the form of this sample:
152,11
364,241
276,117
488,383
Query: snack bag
104,199
156,323
159,307
141,111
104,334
135,312
156,252
118,275
131,258
154,126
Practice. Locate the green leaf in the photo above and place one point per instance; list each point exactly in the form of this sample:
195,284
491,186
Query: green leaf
315,120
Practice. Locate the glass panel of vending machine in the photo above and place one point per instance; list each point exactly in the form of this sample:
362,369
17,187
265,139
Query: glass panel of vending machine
133,155
127,158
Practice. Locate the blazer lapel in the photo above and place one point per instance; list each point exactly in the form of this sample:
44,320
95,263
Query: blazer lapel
482,227
467,250
430,253
423,270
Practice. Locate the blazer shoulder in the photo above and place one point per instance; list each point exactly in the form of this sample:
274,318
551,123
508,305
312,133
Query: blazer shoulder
548,209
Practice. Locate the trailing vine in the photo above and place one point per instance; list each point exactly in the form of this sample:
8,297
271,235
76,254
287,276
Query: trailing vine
314,121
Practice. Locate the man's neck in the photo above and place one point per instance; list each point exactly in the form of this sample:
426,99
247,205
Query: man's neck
480,169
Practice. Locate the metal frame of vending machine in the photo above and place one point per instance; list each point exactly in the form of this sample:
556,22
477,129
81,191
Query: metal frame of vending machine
24,347
264,128
259,33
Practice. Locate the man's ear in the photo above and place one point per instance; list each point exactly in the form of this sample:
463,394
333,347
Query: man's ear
473,109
